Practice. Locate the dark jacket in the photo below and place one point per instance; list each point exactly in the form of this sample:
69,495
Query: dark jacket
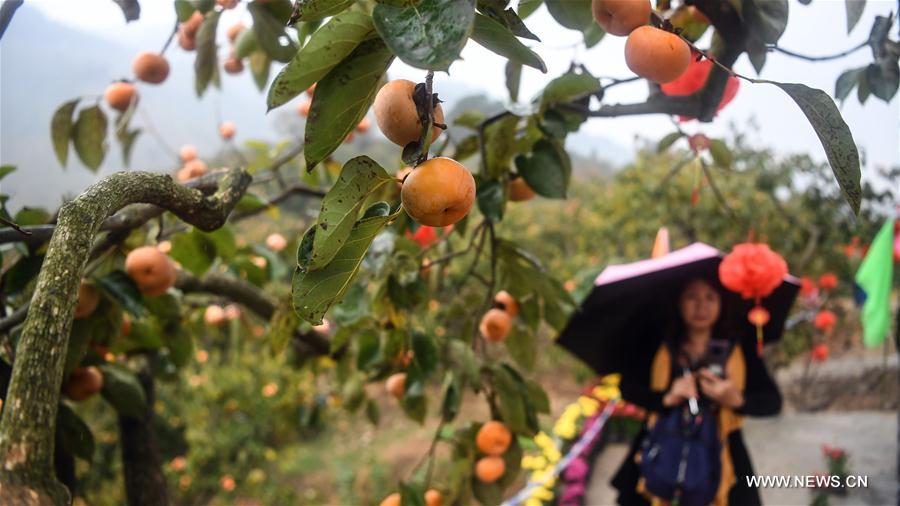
761,398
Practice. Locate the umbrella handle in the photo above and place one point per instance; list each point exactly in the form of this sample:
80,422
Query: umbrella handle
692,402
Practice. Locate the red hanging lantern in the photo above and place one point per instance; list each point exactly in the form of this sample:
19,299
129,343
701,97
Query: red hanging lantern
694,78
754,271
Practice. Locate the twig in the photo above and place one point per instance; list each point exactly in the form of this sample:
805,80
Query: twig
779,49
169,40
14,226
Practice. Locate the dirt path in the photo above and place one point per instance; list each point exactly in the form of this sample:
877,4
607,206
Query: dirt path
790,445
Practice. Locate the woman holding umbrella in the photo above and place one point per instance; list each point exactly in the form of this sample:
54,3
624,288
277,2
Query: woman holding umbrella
726,378
687,355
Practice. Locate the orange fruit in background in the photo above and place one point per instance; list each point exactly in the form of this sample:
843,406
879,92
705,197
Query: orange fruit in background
396,384
519,190
214,315
83,383
656,55
489,469
151,270
233,65
363,125
493,438
227,130
391,500
187,153
187,42
439,192
194,168
119,95
192,24
88,298
396,115
234,30
303,108
126,325
434,498
276,242
495,325
150,67
508,302
621,17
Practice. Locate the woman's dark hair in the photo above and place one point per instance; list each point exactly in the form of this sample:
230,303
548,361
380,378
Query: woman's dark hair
721,329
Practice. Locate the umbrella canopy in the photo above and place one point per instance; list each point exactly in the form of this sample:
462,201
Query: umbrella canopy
632,306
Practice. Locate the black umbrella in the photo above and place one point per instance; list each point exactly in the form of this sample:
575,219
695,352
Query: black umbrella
632,306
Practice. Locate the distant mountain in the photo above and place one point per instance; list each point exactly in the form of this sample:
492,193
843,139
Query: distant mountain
44,63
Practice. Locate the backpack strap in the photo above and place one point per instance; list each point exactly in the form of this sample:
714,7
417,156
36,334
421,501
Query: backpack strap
730,421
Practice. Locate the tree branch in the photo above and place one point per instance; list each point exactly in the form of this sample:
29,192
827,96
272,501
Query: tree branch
779,49
27,430
251,297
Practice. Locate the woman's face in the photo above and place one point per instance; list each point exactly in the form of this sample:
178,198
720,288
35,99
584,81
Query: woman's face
699,304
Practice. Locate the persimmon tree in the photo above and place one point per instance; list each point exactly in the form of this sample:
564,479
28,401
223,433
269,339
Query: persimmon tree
454,311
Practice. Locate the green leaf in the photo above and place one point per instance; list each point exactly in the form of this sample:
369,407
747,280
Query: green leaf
538,397
206,64
76,435
522,346
720,153
89,137
183,10
194,251
246,44
593,35
452,397
317,10
61,130
352,393
547,170
513,79
573,14
428,35
766,19
490,198
568,87
847,81
884,78
270,33
260,63
360,177
31,216
315,291
854,10
353,307
281,328
327,47
425,354
342,98
120,288
499,140
668,140
499,39
527,7
411,495
123,390
180,345
511,402
508,18
835,135
6,170
372,412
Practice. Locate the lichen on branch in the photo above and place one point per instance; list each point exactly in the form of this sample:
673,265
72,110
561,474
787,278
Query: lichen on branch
27,427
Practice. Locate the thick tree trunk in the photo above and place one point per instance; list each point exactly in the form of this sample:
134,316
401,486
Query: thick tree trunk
28,424
145,484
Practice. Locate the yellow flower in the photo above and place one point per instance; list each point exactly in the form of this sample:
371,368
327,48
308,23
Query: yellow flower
542,493
543,440
534,502
588,406
563,429
553,456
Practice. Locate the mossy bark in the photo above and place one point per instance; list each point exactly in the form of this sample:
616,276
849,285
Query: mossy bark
27,426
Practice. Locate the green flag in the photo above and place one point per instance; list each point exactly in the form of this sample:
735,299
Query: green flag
874,277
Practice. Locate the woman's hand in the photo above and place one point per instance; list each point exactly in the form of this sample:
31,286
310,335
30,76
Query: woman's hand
720,390
683,388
